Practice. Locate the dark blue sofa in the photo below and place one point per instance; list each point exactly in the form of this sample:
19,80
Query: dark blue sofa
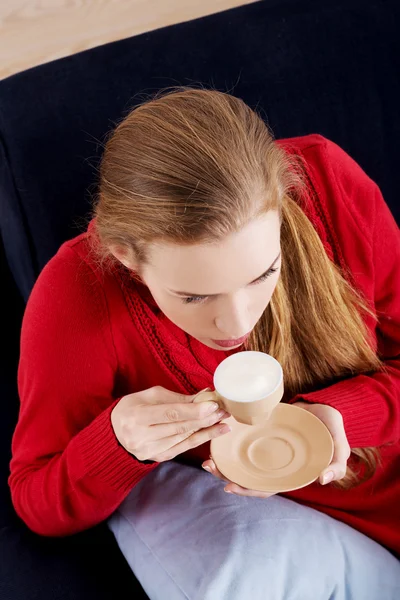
329,67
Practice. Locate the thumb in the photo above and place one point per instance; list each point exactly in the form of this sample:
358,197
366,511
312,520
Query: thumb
205,395
160,395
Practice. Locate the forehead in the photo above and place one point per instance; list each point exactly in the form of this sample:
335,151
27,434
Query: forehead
216,268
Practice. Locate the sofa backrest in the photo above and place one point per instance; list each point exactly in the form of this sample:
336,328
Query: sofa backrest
309,66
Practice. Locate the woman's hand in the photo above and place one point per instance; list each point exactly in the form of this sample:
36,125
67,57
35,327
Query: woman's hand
333,420
157,424
232,488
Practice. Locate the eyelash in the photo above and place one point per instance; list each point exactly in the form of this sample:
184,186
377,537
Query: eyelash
201,299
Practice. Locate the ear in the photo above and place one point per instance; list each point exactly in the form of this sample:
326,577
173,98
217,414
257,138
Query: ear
125,256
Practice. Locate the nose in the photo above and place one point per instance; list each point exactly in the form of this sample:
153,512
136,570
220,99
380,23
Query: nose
233,320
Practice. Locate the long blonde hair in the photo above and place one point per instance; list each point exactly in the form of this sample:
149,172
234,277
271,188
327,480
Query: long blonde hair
192,165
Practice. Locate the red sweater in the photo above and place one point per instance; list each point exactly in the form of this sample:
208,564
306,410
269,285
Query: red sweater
88,338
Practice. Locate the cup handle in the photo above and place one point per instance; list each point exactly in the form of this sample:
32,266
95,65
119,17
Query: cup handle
207,395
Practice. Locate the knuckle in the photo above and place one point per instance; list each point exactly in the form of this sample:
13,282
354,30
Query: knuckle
197,438
139,454
171,414
203,416
215,431
339,415
167,456
154,391
343,452
132,439
213,418
134,417
182,429
202,410
128,436
199,412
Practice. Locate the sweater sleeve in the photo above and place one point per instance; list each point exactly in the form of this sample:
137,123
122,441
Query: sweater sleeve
68,471
370,404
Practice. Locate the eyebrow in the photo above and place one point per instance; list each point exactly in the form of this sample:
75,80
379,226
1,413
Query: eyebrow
214,295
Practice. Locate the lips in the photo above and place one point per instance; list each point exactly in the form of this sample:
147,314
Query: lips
231,343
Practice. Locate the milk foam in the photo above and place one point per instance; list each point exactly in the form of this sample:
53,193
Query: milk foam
247,376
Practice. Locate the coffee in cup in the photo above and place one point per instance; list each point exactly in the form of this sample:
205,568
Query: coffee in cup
248,385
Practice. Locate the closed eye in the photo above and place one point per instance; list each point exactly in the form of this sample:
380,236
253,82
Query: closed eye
201,299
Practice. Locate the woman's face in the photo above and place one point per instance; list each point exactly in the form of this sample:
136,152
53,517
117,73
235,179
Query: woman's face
217,292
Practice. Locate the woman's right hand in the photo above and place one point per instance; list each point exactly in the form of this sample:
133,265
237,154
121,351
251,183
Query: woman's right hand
157,424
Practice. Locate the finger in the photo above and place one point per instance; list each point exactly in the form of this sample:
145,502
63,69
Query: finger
335,472
338,466
209,465
175,413
168,448
232,488
341,449
160,395
185,428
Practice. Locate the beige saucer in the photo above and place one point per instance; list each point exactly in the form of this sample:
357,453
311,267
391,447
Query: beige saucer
285,453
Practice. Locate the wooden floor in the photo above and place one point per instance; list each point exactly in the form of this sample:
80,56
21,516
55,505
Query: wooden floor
37,31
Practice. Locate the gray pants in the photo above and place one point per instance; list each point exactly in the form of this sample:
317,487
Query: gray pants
186,539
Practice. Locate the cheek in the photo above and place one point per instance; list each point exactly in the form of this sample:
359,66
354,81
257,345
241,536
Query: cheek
263,294
188,318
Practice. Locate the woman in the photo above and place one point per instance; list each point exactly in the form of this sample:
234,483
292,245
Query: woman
209,237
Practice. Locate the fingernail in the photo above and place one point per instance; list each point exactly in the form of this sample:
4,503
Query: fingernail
227,491
207,469
211,407
327,478
220,413
224,428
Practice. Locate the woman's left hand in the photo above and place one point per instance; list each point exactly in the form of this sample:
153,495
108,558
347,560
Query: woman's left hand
333,420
